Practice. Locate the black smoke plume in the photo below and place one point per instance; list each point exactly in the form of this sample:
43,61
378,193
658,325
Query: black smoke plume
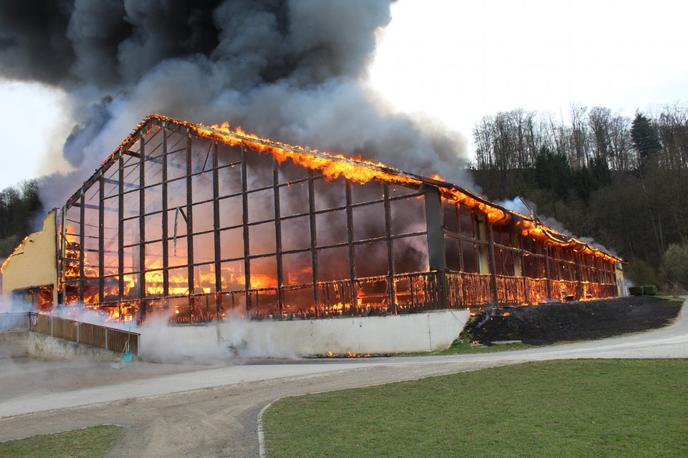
290,69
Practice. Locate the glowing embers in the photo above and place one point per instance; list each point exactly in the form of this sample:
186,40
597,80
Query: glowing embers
190,309
40,297
124,312
348,354
71,265
71,255
43,298
377,296
154,283
120,313
373,296
468,290
536,290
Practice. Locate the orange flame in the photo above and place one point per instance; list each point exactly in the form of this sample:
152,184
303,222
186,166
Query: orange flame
334,165
16,251
331,165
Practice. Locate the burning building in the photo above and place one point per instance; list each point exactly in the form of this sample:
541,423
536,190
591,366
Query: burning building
199,222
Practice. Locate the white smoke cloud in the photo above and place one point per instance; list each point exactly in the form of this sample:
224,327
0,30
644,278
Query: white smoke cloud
525,207
517,204
232,339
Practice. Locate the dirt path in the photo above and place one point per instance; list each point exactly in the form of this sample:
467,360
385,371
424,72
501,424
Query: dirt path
24,376
213,412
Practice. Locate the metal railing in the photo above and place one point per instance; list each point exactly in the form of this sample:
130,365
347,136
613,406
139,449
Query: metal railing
14,321
112,339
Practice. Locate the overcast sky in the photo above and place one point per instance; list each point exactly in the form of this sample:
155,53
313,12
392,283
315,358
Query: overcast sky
458,61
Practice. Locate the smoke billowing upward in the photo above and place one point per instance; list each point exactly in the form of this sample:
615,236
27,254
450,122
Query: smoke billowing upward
290,69
521,205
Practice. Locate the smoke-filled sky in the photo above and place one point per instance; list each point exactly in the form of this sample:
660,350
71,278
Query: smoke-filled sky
391,82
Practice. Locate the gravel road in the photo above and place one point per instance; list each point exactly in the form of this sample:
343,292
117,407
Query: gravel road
213,411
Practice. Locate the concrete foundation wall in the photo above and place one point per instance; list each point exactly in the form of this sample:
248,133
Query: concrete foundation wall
47,347
33,344
14,344
393,334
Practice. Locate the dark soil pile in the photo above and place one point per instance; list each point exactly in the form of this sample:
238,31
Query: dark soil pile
554,322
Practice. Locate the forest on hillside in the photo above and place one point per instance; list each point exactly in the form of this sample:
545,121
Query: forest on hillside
622,181
19,208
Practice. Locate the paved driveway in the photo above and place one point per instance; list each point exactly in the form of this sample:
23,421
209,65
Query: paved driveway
213,412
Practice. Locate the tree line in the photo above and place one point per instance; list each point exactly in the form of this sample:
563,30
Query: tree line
19,207
514,139
622,180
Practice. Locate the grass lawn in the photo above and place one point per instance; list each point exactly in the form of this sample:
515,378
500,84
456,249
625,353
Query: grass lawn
554,408
463,346
90,442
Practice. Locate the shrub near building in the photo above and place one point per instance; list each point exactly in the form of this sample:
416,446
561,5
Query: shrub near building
674,268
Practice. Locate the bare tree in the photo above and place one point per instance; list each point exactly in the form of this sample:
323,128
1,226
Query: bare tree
579,136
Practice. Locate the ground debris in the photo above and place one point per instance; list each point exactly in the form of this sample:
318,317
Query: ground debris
560,321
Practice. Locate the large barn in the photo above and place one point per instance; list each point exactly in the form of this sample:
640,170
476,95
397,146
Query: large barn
200,222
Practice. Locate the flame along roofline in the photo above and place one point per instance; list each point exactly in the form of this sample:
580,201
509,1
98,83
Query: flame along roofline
336,165
17,250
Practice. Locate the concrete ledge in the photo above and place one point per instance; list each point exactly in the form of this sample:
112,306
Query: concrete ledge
418,332
14,344
46,347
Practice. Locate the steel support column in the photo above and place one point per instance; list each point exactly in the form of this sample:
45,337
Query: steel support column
120,227
548,273
435,232
82,240
493,263
63,245
216,232
142,230
437,258
461,241
390,255
189,215
244,222
165,227
314,241
522,260
579,283
350,246
278,235
101,238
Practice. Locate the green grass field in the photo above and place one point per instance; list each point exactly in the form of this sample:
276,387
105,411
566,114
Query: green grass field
89,442
463,346
558,408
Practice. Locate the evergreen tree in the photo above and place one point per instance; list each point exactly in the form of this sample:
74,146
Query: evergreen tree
644,138
601,175
18,209
553,172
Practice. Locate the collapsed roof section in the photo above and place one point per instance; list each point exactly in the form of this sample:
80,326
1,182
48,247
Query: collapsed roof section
19,249
361,171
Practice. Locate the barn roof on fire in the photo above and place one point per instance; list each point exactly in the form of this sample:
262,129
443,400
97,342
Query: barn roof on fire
358,170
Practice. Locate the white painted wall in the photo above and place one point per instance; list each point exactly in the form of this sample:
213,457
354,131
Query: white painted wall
392,334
